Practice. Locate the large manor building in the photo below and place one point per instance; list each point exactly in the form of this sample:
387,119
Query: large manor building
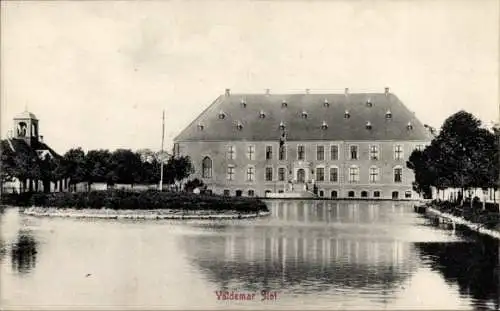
347,145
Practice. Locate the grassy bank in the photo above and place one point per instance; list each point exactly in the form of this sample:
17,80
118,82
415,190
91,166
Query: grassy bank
128,200
489,217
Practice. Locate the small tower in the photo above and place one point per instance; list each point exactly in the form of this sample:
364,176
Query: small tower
26,127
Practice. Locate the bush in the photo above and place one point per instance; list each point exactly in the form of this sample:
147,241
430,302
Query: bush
122,199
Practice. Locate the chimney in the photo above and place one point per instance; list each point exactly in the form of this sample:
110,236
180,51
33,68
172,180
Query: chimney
386,91
268,91
228,92
346,91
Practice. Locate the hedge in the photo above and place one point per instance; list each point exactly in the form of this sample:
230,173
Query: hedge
122,199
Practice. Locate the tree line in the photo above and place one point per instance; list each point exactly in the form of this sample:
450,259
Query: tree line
464,155
122,166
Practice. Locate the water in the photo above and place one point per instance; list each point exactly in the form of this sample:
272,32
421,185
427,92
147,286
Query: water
313,255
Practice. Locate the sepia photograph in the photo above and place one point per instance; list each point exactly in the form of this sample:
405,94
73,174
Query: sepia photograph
250,155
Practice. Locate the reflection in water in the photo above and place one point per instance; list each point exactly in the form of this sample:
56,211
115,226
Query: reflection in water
473,266
309,247
23,253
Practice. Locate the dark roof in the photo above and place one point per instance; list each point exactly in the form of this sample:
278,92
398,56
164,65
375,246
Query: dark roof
20,145
362,107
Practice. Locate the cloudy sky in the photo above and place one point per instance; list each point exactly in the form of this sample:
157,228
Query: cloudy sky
98,74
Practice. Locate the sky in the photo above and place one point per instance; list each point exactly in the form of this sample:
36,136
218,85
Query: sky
98,74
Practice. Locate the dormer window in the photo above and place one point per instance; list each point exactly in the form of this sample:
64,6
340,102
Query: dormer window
200,127
324,125
243,103
304,114
368,125
326,103
239,126
388,114
369,102
282,126
409,126
284,104
222,115
262,114
347,115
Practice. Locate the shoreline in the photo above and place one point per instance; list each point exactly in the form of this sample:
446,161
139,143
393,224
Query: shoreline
459,220
159,214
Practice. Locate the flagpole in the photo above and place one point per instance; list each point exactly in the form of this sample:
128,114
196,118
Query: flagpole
161,153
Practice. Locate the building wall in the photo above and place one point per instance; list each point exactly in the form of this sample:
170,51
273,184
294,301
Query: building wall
386,163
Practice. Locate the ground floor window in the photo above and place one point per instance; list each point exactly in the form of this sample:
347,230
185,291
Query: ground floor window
267,191
376,194
280,191
364,194
334,194
395,194
350,194
251,193
321,193
227,192
408,194
238,193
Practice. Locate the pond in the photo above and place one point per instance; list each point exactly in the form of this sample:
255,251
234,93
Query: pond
306,255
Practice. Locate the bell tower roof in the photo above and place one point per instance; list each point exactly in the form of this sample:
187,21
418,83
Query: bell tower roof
26,115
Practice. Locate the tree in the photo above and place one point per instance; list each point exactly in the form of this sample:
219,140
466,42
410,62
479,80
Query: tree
97,167
178,169
73,166
125,167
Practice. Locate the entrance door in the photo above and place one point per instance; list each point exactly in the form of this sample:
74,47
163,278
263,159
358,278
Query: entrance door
301,175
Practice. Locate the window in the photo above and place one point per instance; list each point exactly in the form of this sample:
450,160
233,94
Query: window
408,194
231,152
388,114
239,125
369,102
282,126
304,115
284,104
368,125
250,173
200,127
267,192
320,174
281,174
206,165
326,103
374,152
334,174
398,174
347,115
334,152
320,153
269,152
230,172
282,153
251,152
239,193
334,194
398,152
251,193
409,126
395,195
324,125
227,192
364,194
321,193
269,173
222,115
354,152
353,174
376,194
301,153
374,173
350,194
420,147
262,114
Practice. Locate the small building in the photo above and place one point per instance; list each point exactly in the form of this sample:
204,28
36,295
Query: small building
350,145
25,139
